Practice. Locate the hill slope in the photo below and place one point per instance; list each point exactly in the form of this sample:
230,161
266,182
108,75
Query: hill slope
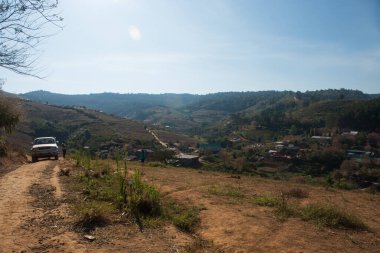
80,127
218,114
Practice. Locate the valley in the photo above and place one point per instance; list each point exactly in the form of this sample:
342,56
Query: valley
244,179
189,126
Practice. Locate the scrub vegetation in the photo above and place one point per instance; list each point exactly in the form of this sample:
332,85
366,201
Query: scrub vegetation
111,187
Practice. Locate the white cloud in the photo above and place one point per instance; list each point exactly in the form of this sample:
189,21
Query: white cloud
134,32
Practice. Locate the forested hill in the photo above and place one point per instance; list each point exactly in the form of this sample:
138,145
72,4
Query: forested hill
132,105
126,105
227,111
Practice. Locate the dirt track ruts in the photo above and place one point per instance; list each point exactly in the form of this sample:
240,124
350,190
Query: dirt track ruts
21,221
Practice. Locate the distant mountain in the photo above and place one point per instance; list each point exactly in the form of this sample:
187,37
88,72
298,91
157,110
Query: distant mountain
219,113
124,105
130,105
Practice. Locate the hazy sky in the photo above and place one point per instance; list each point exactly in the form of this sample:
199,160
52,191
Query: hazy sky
204,46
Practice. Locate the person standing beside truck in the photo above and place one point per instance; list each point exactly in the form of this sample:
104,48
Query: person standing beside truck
143,155
63,149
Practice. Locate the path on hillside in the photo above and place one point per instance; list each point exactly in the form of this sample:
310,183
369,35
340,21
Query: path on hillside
165,145
30,215
157,139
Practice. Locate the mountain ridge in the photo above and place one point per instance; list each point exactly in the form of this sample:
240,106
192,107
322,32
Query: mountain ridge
223,112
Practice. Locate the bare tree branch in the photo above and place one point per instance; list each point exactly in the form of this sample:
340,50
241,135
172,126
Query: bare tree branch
23,26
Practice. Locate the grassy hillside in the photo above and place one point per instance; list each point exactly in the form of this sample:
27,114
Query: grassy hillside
78,126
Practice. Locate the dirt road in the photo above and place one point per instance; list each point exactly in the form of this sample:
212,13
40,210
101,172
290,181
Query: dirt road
35,217
30,224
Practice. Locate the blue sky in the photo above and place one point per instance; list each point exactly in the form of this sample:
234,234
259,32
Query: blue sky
199,46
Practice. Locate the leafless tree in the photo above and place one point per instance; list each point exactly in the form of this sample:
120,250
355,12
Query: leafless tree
23,26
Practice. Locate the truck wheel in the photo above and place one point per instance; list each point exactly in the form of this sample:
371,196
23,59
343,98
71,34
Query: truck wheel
56,157
34,159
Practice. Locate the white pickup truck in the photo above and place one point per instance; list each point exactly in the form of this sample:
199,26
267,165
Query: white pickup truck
44,147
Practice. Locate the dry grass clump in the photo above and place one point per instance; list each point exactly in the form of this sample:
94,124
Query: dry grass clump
299,179
92,214
298,193
64,172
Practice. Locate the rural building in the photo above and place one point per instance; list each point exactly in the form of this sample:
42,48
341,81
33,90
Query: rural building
187,160
358,154
148,153
323,140
284,150
214,147
352,133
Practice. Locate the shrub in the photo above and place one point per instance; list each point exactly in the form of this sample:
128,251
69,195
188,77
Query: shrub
373,140
322,162
283,209
348,168
346,184
332,158
83,159
144,199
10,113
3,148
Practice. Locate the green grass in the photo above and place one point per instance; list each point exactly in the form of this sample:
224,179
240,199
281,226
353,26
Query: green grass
152,222
329,216
226,191
127,192
266,201
285,210
183,217
282,209
143,199
320,214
